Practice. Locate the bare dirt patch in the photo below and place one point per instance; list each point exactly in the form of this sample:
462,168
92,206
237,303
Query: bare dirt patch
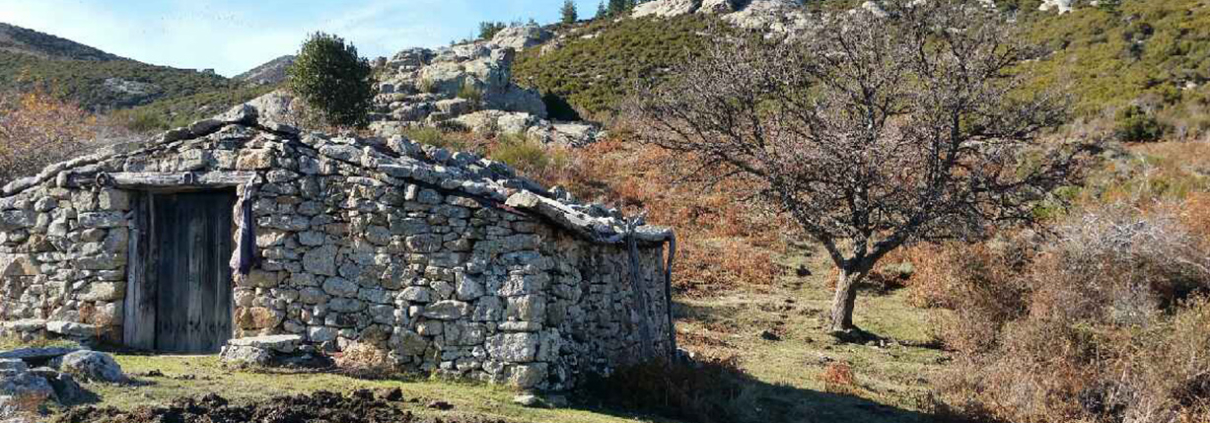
360,406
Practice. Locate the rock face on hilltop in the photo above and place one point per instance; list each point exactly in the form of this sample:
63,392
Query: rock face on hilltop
430,87
768,15
469,86
521,37
665,8
271,73
1062,6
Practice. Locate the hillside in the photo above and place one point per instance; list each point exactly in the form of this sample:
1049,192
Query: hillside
593,67
98,81
1151,54
15,39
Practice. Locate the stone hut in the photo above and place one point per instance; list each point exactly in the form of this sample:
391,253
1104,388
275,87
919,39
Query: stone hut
240,227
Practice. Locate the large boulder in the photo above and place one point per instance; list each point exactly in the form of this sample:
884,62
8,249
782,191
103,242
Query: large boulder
91,366
569,134
665,8
277,106
498,122
67,390
1063,6
19,384
522,37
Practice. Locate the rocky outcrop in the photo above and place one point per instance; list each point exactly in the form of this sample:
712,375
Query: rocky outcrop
430,87
469,86
778,16
1062,6
665,8
521,37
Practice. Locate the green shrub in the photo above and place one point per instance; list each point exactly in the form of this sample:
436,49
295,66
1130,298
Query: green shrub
468,91
330,77
1134,124
525,155
434,137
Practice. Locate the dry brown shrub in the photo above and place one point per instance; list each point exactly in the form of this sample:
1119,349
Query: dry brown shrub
1103,321
24,407
364,358
838,377
37,129
722,239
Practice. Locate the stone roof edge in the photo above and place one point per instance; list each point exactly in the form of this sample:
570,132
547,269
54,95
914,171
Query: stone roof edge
526,195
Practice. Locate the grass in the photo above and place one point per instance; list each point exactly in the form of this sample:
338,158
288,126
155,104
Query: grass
889,381
200,375
787,377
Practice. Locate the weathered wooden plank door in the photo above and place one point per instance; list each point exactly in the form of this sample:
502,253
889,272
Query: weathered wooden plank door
188,253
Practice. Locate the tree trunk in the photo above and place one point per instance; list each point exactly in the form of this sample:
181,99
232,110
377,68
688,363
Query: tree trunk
846,296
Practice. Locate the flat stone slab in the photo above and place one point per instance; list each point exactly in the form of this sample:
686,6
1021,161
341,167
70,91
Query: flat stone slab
26,325
79,330
13,364
279,343
38,354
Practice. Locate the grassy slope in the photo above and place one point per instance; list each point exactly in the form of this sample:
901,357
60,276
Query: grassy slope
890,379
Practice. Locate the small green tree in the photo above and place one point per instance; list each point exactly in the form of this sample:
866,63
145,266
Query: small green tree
618,7
489,29
330,77
602,12
569,12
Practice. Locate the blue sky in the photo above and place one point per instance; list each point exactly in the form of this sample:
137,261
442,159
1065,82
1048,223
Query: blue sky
232,36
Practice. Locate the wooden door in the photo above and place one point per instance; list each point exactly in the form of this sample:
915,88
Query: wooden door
188,251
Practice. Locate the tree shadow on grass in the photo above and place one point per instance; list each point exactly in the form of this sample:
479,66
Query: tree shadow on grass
737,330
732,397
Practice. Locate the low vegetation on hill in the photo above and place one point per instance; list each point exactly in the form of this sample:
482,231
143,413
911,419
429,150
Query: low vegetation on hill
1138,63
105,85
594,66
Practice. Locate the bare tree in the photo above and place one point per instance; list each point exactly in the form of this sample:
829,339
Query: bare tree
872,130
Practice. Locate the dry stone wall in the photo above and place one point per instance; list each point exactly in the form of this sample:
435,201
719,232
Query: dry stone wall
448,261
